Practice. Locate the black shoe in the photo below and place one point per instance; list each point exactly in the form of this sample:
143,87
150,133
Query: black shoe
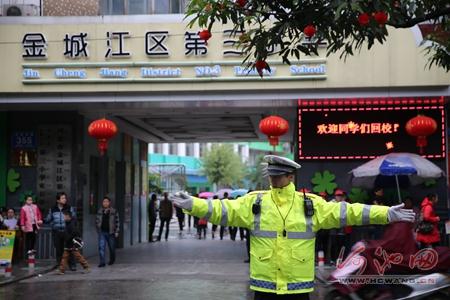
247,261
73,268
101,265
111,262
158,239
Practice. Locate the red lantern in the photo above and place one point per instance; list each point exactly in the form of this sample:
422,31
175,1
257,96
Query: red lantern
273,127
103,130
421,127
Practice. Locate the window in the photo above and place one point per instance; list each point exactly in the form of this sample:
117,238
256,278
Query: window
173,149
203,149
190,149
158,148
112,7
135,7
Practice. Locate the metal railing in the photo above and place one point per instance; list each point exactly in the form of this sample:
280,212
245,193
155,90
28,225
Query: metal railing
44,244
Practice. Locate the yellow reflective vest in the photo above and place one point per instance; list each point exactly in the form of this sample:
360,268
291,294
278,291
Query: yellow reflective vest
282,238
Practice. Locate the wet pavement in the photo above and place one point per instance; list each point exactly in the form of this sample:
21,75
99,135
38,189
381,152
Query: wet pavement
181,268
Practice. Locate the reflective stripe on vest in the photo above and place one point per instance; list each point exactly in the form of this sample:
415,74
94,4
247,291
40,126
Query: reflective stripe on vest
224,220
264,234
263,284
256,232
366,214
210,209
301,235
300,285
292,286
343,217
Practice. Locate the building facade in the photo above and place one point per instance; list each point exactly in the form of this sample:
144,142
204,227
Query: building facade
185,158
162,85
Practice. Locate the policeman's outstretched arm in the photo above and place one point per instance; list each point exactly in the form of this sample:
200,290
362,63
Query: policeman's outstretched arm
220,212
341,214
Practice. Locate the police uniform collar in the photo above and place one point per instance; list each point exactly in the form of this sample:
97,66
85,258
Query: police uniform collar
284,194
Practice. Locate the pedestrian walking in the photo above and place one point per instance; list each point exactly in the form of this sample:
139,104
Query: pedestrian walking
30,222
231,229
428,229
375,232
180,216
201,227
323,235
339,236
152,216
108,227
72,245
283,224
214,226
165,215
55,218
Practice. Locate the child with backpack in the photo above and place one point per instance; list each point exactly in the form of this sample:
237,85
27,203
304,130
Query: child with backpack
72,244
201,226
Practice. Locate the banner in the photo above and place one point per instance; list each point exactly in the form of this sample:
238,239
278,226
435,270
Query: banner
6,245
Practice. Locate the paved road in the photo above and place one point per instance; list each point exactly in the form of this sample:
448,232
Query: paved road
182,268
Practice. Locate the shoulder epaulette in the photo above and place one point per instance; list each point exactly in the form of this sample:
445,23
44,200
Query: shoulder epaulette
257,192
310,195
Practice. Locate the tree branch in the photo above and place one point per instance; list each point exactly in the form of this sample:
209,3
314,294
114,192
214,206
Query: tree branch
411,22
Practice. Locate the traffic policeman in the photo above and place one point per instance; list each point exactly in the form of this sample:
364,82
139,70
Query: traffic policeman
283,224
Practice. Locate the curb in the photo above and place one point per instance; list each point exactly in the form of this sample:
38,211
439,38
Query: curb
45,271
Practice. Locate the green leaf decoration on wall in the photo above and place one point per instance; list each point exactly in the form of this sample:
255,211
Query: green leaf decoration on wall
430,183
358,195
12,180
324,182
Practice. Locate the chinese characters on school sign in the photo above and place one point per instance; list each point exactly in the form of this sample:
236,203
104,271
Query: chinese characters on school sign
364,132
154,45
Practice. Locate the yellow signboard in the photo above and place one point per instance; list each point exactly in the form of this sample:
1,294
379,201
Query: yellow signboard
6,245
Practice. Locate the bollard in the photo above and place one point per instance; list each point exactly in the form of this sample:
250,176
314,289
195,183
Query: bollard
8,270
321,258
31,261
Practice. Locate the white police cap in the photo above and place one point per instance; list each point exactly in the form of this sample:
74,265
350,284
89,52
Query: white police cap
278,165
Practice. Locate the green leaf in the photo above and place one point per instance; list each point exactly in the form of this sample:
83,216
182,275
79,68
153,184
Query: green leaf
324,182
339,10
12,180
358,195
430,182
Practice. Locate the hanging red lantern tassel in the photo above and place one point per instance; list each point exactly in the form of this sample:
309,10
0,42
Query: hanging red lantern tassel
273,127
421,127
103,130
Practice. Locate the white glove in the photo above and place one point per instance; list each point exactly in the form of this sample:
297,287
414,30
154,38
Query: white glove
183,200
398,213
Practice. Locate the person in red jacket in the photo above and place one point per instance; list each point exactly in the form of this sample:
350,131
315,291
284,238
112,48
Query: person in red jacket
433,238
